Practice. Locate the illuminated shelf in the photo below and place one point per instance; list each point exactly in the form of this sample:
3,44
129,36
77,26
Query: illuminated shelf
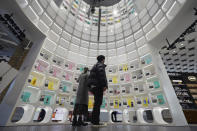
51,83
30,94
36,79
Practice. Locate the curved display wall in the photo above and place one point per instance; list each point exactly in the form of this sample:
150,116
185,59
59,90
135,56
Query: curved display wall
135,94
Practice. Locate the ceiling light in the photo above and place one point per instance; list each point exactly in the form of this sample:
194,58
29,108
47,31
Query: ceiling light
84,9
135,14
115,12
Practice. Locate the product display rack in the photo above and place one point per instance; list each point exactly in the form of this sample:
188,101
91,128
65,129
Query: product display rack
133,89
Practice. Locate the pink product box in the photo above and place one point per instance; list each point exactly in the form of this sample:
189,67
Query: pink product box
68,75
55,71
41,66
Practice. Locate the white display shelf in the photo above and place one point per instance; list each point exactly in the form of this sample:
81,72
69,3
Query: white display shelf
67,75
146,60
153,83
149,71
125,78
137,75
114,90
126,118
47,97
80,68
45,55
112,69
60,115
41,66
57,60
139,88
128,102
157,98
123,68
55,71
112,79
62,100
116,116
145,116
126,89
142,100
134,65
42,115
160,118
51,83
133,117
36,79
115,102
23,114
65,87
69,65
30,94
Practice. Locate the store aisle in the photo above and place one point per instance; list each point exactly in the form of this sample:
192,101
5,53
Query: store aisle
90,128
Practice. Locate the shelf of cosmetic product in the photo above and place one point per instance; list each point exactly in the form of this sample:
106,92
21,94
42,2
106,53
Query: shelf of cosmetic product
36,79
30,94
146,60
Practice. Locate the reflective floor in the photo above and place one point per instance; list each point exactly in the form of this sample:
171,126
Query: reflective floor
90,128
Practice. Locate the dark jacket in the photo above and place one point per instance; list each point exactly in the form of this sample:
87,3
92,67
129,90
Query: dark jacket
98,76
82,91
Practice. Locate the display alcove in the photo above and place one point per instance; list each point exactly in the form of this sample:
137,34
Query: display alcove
114,90
145,116
42,114
137,75
45,55
153,83
60,115
134,65
126,89
47,97
55,71
112,69
30,94
149,71
41,66
157,98
36,79
51,83
115,102
116,116
162,115
128,102
62,100
23,114
57,60
65,87
133,118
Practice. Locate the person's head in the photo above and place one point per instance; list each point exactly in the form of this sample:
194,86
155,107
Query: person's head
85,70
101,58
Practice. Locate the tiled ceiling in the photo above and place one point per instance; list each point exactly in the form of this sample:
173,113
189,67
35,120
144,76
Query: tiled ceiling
182,58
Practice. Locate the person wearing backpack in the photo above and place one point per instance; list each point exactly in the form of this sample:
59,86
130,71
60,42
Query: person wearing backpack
81,103
97,83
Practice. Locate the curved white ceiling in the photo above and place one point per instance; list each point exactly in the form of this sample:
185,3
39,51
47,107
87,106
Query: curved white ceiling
125,27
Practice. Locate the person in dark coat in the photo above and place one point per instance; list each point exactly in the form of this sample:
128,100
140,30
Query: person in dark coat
81,103
98,84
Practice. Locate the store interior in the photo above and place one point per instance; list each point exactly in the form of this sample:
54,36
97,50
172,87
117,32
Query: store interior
150,49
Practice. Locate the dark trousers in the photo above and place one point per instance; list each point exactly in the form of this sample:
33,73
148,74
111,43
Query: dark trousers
98,99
